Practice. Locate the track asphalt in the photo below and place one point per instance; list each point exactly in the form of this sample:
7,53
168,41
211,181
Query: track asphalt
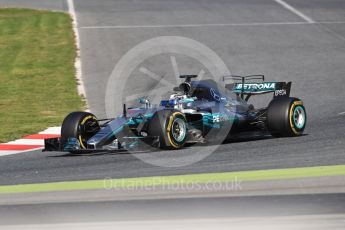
251,37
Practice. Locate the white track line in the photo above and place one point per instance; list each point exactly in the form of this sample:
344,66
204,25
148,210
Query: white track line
193,25
11,152
208,25
330,22
77,64
295,11
341,114
8,152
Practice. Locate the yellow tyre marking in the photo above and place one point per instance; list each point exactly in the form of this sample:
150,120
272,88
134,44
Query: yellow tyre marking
169,128
298,102
293,106
81,142
86,118
82,123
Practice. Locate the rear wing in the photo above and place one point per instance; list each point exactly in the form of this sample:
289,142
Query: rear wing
246,89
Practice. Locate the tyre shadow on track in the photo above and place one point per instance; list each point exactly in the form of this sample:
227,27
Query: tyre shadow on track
249,138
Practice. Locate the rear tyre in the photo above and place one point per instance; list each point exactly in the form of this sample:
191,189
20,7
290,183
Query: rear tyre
171,128
286,117
79,125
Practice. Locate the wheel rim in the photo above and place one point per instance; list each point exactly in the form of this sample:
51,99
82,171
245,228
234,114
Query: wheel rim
179,129
299,117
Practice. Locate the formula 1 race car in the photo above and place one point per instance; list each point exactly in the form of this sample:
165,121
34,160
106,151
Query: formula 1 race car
197,112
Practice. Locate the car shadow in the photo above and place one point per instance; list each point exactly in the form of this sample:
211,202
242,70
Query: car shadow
102,153
236,139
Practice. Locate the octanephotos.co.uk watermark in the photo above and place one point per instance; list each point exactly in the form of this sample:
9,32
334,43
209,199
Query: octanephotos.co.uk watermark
166,185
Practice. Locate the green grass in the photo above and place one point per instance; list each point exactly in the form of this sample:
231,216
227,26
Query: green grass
37,83
143,182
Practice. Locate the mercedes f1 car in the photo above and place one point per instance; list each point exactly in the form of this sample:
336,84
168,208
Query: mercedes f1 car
199,111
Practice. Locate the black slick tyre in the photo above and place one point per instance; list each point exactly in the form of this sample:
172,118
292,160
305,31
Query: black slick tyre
79,125
171,128
286,117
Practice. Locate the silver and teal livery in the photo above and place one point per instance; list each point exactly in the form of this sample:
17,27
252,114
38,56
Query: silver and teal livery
197,112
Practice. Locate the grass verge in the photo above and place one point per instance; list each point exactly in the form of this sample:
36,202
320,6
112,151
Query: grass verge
37,83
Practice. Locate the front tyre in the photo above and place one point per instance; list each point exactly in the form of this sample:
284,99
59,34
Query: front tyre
286,117
171,128
79,125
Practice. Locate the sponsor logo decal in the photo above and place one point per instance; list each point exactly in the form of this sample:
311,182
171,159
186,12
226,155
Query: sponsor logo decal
280,92
219,118
265,86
